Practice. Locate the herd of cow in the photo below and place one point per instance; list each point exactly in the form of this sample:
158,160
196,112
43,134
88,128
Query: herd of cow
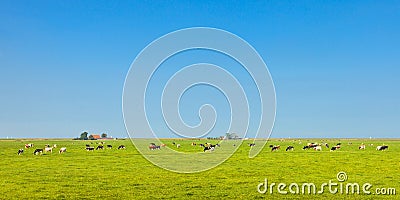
318,147
48,148
206,147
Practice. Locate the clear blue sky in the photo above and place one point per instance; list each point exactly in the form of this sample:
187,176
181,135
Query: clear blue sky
335,65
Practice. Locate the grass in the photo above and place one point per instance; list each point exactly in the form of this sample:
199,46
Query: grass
126,174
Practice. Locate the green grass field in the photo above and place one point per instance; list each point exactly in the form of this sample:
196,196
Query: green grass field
125,174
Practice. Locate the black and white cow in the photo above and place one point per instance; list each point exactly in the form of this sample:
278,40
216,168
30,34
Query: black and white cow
275,148
335,148
290,148
20,151
38,151
382,148
89,148
121,147
109,146
208,149
101,147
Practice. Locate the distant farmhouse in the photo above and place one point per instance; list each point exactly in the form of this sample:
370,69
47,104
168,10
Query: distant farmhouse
94,137
84,136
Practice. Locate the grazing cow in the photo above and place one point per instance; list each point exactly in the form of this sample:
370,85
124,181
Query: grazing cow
109,146
338,144
38,151
100,147
362,146
20,151
290,148
306,147
209,149
152,146
252,145
54,146
173,143
28,145
382,148
89,148
87,145
62,150
121,147
48,149
318,148
178,146
275,148
193,144
335,148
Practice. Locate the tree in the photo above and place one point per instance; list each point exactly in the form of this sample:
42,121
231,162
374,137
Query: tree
104,135
84,136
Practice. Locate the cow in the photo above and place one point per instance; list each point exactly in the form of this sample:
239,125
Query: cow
54,146
208,149
382,148
27,146
290,148
38,151
121,147
20,151
109,146
89,148
178,146
48,149
327,145
362,147
252,144
100,147
306,147
152,146
335,148
275,148
318,148
62,150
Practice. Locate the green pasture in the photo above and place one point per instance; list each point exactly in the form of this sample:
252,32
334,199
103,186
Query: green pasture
126,174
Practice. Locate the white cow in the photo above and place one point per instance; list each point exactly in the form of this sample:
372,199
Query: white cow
318,148
63,149
48,149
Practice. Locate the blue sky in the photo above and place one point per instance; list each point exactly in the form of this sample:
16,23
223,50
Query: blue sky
335,64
